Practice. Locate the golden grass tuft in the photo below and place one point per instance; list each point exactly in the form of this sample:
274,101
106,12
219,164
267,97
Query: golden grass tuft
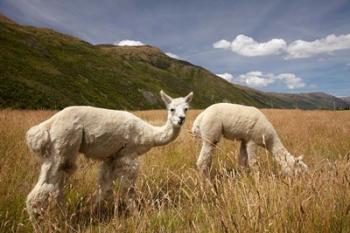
170,192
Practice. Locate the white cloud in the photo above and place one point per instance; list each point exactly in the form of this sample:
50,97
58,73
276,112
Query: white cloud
329,44
226,76
247,46
129,43
172,55
260,79
291,80
222,44
256,79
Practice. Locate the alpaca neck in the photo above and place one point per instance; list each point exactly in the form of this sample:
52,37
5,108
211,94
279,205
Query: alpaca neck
164,134
276,146
281,154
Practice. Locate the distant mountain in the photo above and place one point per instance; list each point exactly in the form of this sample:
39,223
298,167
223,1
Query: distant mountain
41,68
315,100
347,99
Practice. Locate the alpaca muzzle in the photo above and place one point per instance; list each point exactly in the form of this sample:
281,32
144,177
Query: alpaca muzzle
181,120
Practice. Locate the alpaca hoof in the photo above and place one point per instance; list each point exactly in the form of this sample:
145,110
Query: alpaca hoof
128,207
100,208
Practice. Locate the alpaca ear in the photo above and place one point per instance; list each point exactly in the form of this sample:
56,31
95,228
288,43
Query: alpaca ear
167,99
188,98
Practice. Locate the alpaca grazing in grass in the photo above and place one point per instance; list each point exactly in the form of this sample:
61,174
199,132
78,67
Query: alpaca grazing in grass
116,138
251,127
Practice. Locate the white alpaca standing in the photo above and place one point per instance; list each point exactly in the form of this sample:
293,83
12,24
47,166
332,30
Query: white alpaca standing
116,138
247,124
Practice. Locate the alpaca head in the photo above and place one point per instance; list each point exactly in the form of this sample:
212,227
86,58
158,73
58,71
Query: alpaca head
294,166
291,165
300,166
177,108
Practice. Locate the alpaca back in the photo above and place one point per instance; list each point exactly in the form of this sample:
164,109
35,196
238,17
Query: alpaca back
233,121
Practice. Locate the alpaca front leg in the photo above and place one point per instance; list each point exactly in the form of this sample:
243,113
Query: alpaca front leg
205,159
128,171
47,193
251,155
252,161
128,174
106,178
243,155
247,155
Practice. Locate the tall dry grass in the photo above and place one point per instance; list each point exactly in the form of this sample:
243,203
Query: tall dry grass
170,192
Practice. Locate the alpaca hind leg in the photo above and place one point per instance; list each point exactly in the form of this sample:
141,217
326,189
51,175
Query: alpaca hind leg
205,158
47,193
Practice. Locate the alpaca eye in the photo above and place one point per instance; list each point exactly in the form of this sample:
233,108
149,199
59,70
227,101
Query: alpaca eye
172,109
186,109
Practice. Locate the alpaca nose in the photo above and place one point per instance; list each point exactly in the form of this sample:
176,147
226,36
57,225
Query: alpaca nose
182,119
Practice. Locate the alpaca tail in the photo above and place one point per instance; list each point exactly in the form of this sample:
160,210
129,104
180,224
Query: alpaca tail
196,131
38,139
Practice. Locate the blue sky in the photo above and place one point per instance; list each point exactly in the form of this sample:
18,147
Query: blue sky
285,46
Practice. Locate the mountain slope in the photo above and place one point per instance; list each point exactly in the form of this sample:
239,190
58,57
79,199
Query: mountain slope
41,68
347,99
315,100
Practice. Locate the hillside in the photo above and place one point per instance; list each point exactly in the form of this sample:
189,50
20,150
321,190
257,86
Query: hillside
41,68
347,99
318,100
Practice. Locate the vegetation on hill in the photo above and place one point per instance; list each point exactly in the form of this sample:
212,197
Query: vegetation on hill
41,68
44,69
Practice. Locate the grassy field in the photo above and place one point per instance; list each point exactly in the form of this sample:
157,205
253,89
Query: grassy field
172,196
